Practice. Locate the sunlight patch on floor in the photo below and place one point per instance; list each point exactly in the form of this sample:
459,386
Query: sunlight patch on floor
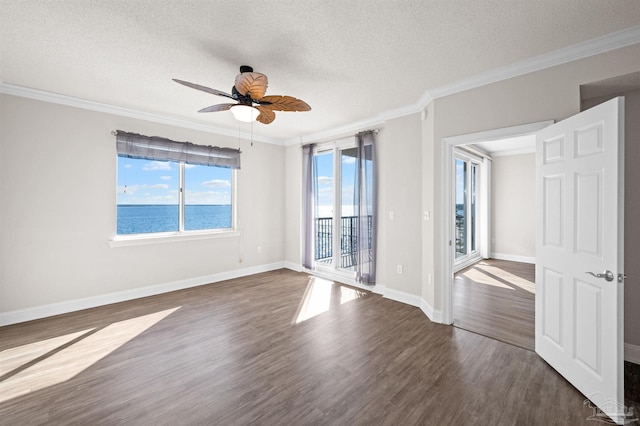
13,358
480,278
319,295
485,274
316,300
66,363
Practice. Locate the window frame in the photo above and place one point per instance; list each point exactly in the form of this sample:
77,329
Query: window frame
334,268
181,234
473,199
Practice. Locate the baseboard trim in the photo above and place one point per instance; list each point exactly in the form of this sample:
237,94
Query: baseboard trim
293,266
401,296
513,257
427,309
433,314
327,275
38,312
632,353
413,300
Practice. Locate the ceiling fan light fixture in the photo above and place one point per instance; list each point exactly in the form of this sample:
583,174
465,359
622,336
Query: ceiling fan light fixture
245,113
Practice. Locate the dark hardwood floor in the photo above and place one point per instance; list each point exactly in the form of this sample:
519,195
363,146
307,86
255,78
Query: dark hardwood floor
279,348
496,298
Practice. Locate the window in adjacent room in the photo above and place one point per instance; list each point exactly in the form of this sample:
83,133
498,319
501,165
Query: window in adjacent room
467,175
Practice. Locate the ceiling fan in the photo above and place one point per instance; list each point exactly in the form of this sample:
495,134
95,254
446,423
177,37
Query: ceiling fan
249,92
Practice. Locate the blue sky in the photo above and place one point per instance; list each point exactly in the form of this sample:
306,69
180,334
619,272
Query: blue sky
324,166
460,181
157,182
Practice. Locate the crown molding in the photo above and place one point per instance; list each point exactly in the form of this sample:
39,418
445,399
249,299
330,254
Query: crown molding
334,132
56,98
596,46
356,126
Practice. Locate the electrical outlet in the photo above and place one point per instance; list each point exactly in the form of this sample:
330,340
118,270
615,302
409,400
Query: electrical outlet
259,249
399,269
392,215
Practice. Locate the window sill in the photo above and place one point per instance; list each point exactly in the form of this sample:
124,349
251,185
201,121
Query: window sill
139,240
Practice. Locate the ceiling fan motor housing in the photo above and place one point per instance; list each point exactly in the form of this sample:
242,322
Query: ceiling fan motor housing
242,99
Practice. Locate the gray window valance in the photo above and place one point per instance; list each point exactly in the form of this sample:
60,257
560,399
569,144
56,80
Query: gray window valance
133,145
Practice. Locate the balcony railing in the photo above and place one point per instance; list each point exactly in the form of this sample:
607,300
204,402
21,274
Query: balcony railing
461,236
348,240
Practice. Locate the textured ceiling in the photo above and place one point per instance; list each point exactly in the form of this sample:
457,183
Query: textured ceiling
350,60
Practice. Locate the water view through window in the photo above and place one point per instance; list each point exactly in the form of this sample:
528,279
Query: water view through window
148,197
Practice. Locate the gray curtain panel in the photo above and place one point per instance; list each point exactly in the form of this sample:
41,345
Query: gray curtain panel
365,207
133,145
308,198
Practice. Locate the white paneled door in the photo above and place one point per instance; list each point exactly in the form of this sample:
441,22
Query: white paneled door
579,252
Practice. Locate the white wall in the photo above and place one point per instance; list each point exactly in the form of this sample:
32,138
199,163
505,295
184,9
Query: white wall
428,210
513,208
57,204
293,205
400,185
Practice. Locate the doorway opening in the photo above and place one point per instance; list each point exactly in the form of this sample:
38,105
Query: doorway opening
489,286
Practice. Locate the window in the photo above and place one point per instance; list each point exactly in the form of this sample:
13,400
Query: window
157,194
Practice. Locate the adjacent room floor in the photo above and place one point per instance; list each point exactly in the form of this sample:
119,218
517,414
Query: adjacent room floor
275,348
496,298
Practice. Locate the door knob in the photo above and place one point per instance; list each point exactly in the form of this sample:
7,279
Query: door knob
607,275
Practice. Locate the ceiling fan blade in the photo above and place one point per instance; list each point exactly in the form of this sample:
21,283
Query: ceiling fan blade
284,103
266,116
252,83
218,107
203,88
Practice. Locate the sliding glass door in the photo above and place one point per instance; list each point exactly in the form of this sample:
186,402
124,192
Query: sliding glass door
336,220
